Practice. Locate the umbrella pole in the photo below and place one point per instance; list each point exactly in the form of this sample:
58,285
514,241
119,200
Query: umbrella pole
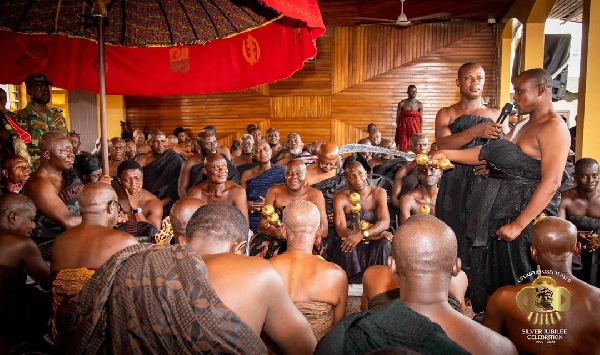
102,90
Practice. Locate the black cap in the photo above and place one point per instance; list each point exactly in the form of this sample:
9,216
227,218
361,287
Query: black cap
37,78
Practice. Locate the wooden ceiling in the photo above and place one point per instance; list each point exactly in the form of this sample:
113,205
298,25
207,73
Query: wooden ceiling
347,12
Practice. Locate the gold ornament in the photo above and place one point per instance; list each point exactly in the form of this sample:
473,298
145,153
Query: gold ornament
425,209
539,218
445,164
354,198
355,208
268,210
364,225
421,159
272,217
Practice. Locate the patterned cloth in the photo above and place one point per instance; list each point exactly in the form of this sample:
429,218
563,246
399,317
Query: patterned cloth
155,299
33,122
47,230
258,186
66,285
319,315
409,123
395,325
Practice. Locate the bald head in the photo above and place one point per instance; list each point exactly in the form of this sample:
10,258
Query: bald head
48,139
329,151
181,213
301,220
95,197
424,244
14,203
217,223
554,236
212,158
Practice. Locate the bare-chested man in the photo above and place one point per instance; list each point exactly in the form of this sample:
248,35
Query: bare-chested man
140,142
270,240
273,140
425,258
382,158
81,250
375,137
247,141
326,166
577,331
54,188
356,248
180,216
139,204
292,149
318,288
409,118
216,188
264,304
424,195
221,149
259,179
116,151
581,206
526,169
406,179
183,145
24,310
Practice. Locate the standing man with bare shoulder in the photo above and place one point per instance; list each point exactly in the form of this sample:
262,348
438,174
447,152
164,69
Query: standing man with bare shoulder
462,126
526,169
409,118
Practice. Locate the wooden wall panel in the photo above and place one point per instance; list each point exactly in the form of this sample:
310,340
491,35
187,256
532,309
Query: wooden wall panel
358,77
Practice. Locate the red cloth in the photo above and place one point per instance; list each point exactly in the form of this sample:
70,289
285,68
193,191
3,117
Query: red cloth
409,124
263,55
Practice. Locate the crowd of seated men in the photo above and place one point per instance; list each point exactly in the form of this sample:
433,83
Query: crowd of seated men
315,214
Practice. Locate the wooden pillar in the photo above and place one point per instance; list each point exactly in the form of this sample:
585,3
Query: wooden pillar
533,34
588,110
506,49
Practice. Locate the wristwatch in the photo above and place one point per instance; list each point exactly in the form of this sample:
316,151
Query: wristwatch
365,233
137,210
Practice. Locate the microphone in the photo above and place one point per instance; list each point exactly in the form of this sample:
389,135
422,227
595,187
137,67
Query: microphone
506,110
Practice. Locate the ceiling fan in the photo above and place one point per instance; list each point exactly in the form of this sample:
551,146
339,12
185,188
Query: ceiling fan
402,20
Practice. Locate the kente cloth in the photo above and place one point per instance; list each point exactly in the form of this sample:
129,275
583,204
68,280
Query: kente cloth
586,266
144,232
258,186
33,122
328,188
389,167
244,167
197,176
46,230
66,285
319,315
155,299
282,154
24,309
161,177
394,325
408,125
381,300
355,263
455,188
267,247
501,197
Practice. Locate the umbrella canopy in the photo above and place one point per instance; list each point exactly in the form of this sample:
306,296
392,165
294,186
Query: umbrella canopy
159,47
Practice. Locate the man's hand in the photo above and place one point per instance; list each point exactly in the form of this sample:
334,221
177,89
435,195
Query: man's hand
133,198
351,242
509,232
106,179
385,234
481,170
488,130
255,207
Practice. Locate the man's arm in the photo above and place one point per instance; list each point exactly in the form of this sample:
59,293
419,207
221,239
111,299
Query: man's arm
35,266
554,145
44,196
383,213
155,213
493,316
341,289
446,140
463,156
397,187
565,202
184,177
406,204
240,201
319,201
339,216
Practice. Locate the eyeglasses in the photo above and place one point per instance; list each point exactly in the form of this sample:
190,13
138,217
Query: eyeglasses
113,202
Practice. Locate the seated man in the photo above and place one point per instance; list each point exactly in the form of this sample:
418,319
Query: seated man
89,169
180,216
387,164
201,314
581,206
161,171
246,157
54,188
208,144
270,241
577,330
143,209
116,152
80,251
375,136
406,179
141,146
318,288
15,172
325,177
292,149
361,157
24,310
258,180
362,235
422,199
216,188
273,140
421,319
183,144
221,149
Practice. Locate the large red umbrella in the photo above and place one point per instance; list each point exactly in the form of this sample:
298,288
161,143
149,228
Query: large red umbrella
157,47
